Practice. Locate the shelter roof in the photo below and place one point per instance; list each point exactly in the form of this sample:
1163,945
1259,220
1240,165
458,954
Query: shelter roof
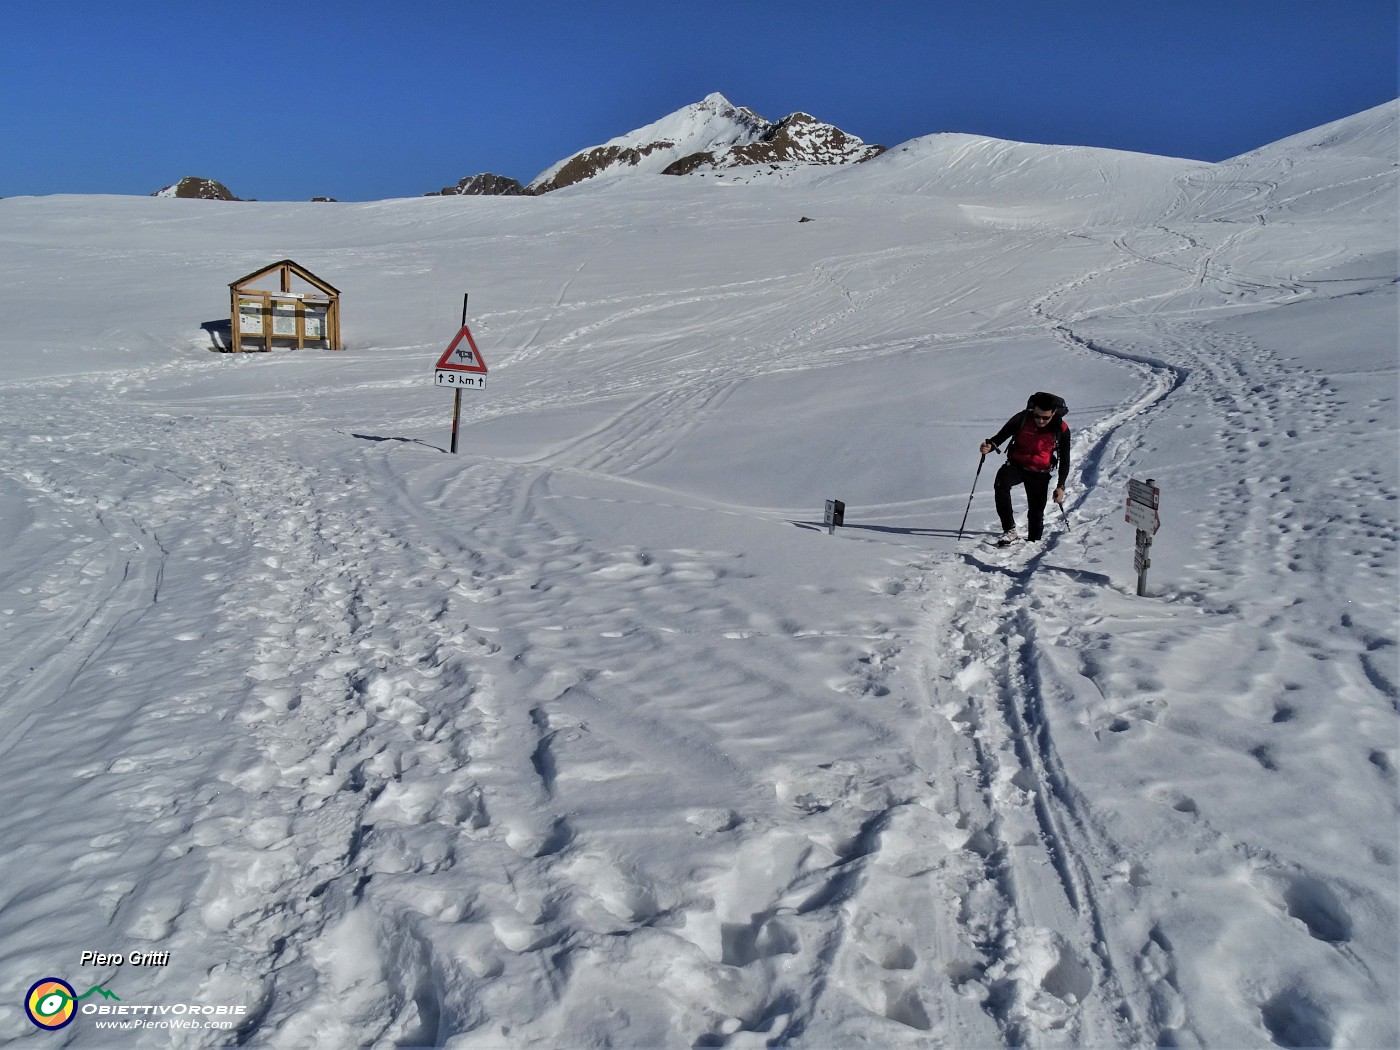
289,265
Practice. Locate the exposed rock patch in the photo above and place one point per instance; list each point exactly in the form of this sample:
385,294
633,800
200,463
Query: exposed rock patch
193,188
484,185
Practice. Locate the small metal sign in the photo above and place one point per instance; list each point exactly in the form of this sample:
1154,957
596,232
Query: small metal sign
1142,516
835,515
1144,499
1144,492
461,380
1142,560
461,366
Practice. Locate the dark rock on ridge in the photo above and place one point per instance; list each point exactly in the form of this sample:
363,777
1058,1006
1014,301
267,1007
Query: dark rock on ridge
192,188
797,138
485,184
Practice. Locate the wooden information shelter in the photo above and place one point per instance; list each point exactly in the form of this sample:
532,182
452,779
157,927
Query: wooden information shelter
300,311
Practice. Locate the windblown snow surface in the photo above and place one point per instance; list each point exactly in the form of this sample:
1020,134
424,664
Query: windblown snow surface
591,735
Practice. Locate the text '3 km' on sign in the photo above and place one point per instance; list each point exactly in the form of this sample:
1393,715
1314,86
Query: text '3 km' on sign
461,364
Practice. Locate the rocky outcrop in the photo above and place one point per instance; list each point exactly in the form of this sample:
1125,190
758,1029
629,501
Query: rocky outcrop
484,185
193,188
589,164
799,138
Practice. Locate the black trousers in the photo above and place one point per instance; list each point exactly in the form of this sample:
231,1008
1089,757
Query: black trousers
1037,492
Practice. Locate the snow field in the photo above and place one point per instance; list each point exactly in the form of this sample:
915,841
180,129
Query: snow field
591,735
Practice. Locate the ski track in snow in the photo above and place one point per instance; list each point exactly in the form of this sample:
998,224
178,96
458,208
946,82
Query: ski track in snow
487,675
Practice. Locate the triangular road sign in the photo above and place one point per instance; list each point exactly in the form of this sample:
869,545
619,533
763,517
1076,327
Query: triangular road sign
461,366
459,358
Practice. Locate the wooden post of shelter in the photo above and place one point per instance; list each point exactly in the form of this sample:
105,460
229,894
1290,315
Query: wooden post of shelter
284,305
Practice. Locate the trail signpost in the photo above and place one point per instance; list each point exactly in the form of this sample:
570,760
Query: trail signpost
461,367
1144,499
835,515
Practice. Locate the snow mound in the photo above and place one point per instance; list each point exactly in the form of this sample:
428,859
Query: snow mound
1025,183
1373,133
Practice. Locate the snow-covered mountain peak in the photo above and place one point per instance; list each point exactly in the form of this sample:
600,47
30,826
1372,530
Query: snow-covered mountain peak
710,133
714,122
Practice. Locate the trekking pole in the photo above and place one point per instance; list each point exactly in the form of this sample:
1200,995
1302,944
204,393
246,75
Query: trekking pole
974,491
1064,516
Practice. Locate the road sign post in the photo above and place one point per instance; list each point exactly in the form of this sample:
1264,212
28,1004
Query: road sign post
456,416
1144,499
461,367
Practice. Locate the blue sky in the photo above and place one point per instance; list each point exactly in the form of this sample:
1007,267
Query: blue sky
365,100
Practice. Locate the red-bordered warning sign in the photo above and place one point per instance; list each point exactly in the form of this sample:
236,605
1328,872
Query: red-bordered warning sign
461,365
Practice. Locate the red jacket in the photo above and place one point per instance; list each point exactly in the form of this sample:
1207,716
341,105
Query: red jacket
1033,448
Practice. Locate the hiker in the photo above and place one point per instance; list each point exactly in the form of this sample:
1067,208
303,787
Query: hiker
1039,444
